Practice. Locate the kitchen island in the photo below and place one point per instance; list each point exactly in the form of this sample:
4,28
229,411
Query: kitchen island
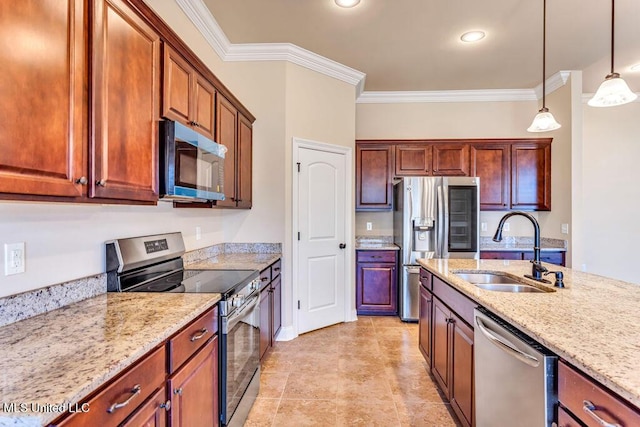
593,323
51,361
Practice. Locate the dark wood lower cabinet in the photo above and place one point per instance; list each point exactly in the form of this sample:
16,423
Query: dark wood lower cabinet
424,327
441,344
461,390
153,413
270,306
265,320
376,283
276,301
194,389
566,420
552,257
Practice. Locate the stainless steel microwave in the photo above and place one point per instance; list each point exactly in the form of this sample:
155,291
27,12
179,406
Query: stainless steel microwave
191,165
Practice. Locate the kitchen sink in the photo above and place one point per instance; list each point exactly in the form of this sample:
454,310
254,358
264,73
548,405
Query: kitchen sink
500,282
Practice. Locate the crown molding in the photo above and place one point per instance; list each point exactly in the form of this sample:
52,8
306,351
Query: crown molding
201,17
553,83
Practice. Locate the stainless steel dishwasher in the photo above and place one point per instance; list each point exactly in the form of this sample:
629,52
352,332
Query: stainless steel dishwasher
515,377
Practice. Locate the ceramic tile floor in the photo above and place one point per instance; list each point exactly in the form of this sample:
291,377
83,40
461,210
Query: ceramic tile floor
364,373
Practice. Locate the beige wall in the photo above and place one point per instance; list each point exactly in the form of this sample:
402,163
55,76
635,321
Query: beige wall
610,195
475,120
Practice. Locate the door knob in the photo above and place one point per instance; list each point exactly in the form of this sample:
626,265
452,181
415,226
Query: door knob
342,245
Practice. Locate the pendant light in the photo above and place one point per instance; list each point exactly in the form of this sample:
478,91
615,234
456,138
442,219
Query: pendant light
544,120
613,90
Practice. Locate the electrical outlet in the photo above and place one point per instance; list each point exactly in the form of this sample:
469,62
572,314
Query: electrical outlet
584,267
13,258
506,227
369,226
565,228
198,233
483,226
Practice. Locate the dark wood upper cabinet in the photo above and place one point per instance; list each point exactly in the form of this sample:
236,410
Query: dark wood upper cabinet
187,96
492,164
42,108
125,104
451,159
245,162
374,171
413,160
531,176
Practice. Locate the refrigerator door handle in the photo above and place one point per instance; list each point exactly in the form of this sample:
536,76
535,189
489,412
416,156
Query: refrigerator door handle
441,225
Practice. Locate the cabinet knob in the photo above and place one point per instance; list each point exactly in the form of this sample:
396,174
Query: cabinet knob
101,183
166,405
82,180
178,391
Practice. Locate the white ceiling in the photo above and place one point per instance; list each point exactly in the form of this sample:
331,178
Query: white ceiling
413,45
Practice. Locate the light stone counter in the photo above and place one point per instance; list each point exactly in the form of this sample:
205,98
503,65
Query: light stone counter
236,261
61,356
594,323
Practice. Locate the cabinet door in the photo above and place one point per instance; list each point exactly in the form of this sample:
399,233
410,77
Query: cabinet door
153,413
204,106
491,163
531,176
244,162
451,159
227,125
376,290
276,294
374,164
462,370
425,324
194,390
413,159
566,420
125,107
43,72
176,87
557,258
440,349
265,320
500,255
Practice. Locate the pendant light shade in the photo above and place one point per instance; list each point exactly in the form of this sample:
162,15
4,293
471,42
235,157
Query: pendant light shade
613,90
544,120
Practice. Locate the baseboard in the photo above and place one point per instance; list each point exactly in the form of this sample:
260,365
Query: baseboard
287,333
353,317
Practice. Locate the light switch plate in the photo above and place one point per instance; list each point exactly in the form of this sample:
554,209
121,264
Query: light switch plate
565,228
198,233
13,258
483,226
369,226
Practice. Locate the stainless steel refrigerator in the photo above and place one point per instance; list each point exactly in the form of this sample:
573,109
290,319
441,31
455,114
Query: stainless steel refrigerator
433,217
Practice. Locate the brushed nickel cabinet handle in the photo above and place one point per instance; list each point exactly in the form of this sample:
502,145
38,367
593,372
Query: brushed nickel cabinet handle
590,409
102,183
82,180
201,334
134,392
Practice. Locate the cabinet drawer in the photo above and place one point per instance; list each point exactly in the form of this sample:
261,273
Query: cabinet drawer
574,388
194,336
566,420
147,376
275,269
376,256
265,277
425,279
501,255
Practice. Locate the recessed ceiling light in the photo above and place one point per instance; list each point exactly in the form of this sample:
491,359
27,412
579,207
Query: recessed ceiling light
472,36
635,67
347,3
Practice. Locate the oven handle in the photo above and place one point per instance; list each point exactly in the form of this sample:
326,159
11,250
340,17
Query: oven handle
228,322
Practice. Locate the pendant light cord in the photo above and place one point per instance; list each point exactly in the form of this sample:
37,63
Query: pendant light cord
613,7
544,50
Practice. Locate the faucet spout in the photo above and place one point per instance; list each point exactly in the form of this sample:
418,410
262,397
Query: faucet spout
537,268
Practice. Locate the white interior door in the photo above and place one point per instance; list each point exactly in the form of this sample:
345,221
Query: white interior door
322,273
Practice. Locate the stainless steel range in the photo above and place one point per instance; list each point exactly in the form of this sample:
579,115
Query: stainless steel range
154,264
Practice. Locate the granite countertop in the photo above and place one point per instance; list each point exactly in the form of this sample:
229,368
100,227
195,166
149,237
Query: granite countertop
594,322
236,261
376,243
59,357
519,243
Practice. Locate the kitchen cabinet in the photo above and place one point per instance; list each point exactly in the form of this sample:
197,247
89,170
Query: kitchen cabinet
194,389
531,176
492,164
374,189
425,323
187,96
590,402
376,282
270,306
413,159
235,132
177,380
451,159
102,148
552,257
452,346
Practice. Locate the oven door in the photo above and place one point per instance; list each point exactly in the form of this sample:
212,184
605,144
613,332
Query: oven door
239,360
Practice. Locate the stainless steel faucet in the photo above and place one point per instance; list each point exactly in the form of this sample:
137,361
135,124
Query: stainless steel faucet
537,268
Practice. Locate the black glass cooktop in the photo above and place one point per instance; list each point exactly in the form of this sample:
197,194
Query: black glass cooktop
224,282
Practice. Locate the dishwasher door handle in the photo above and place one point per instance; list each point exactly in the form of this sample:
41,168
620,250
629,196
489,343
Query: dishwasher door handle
507,346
